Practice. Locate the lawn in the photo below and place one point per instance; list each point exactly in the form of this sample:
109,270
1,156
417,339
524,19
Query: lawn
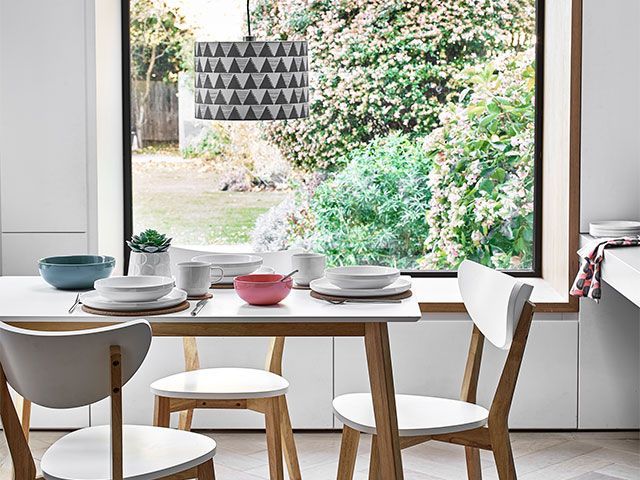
180,198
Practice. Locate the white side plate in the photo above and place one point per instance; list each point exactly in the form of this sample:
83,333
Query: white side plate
325,287
94,300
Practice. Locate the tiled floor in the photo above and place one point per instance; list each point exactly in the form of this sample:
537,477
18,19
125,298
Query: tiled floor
539,456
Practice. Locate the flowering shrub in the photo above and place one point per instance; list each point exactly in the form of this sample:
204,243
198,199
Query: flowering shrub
372,211
380,66
481,205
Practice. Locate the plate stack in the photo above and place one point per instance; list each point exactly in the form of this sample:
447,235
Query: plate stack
614,229
136,294
362,281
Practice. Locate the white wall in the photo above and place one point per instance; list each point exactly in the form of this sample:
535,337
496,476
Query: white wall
610,189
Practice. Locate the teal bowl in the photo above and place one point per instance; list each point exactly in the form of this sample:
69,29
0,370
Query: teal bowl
75,272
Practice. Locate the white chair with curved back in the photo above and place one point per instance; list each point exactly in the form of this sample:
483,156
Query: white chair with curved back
253,389
72,369
501,312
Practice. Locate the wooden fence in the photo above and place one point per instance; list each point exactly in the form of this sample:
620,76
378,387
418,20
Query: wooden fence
161,112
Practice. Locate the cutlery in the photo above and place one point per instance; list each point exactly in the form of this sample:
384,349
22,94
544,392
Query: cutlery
360,300
288,275
199,307
75,304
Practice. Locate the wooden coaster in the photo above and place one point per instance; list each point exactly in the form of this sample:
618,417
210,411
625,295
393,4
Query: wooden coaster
301,287
140,313
222,286
398,296
201,297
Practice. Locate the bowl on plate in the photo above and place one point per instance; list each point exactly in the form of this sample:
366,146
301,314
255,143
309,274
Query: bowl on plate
262,288
362,276
139,288
75,272
232,264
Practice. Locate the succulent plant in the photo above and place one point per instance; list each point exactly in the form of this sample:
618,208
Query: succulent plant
149,241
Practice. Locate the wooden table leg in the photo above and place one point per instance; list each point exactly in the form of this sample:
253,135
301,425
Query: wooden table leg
376,342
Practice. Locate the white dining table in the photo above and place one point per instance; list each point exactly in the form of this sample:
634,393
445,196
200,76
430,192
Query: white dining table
29,302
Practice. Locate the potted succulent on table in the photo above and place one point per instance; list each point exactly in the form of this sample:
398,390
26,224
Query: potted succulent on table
149,255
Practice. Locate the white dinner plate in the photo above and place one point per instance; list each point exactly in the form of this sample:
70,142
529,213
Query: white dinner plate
325,287
94,300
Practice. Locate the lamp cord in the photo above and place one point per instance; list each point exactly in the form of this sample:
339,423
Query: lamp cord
248,20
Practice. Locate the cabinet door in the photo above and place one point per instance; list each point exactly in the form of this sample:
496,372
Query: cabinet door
21,251
43,116
429,359
307,367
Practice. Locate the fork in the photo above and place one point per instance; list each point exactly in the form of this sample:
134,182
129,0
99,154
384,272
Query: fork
75,304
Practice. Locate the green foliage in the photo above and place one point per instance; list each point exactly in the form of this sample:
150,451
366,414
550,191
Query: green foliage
372,212
158,37
149,241
212,143
381,66
482,178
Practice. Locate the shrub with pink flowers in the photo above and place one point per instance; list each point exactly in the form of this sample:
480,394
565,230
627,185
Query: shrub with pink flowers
383,66
481,180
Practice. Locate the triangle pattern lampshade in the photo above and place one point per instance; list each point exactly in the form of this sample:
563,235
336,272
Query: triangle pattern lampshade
252,80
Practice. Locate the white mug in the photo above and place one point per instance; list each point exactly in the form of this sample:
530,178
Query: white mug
309,265
195,277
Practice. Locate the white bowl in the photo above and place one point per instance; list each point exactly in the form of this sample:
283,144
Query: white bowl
362,276
232,264
140,288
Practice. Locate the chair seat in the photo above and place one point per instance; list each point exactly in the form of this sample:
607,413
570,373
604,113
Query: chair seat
148,453
417,415
221,384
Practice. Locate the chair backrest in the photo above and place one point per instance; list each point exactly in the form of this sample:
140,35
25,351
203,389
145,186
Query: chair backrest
494,300
70,369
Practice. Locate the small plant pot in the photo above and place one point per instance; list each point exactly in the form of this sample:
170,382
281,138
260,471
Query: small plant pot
158,264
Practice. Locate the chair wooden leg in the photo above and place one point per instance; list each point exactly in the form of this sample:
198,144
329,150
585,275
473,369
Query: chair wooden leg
185,420
162,412
274,439
206,471
474,469
374,460
501,446
348,453
288,442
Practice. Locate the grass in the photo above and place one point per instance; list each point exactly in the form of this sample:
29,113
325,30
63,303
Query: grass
183,202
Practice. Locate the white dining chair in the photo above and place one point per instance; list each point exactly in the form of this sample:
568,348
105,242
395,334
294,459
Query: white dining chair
73,369
501,312
259,390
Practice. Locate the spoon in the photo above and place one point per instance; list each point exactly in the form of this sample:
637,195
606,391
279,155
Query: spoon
287,276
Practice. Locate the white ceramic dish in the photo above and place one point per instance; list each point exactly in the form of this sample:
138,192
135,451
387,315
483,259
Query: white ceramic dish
615,228
325,287
141,288
362,276
228,280
232,264
95,300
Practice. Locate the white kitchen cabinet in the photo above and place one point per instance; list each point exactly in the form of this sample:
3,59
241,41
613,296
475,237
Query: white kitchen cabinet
21,251
307,366
429,359
43,116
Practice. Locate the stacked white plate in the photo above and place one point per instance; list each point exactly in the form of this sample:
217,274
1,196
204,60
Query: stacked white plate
135,293
361,281
617,228
232,265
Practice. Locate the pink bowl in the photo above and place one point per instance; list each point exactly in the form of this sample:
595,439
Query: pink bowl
262,288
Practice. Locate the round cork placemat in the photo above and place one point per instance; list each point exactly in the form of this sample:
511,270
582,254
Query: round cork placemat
301,287
222,286
201,297
140,313
398,296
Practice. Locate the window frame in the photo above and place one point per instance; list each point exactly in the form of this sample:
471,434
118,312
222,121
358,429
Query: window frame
535,272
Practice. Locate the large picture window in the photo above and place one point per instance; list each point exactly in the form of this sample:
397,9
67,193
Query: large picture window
421,148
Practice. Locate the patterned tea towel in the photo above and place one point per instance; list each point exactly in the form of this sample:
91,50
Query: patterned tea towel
587,282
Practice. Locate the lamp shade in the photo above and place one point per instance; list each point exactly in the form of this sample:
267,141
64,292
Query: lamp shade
251,80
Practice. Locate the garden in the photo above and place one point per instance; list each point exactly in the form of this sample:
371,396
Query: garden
418,151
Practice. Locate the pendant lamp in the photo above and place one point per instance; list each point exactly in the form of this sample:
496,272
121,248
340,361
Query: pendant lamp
251,80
